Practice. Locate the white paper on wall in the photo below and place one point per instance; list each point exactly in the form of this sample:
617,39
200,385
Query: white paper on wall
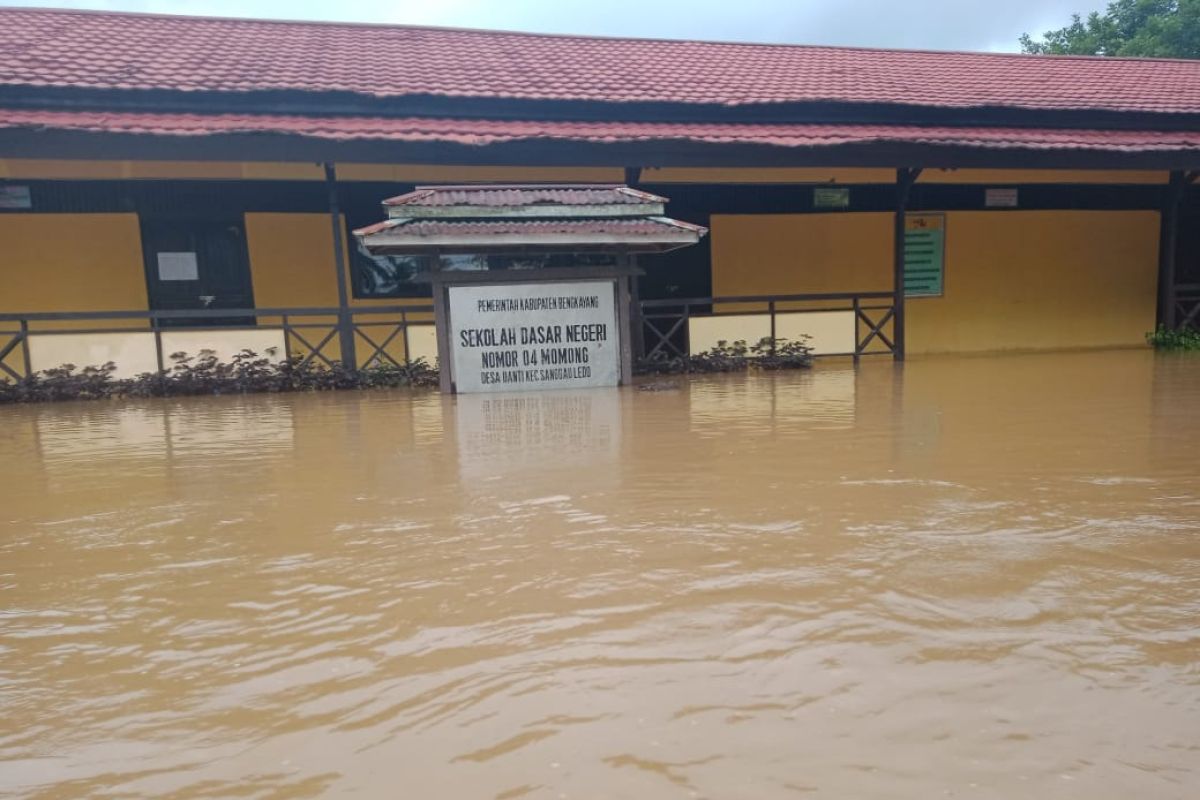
178,267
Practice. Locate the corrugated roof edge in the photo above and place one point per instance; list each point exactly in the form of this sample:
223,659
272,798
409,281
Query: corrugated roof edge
594,37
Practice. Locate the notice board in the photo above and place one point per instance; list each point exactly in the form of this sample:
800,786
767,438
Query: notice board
529,336
924,254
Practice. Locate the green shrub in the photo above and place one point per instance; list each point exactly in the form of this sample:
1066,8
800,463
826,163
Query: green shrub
781,354
1182,339
768,354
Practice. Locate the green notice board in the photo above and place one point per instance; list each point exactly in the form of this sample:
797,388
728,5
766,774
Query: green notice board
831,197
924,254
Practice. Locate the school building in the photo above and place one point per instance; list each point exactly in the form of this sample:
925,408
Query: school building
176,184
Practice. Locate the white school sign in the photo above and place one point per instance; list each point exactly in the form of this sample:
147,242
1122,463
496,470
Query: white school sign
529,336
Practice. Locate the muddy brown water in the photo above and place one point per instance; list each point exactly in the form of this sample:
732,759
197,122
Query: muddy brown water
972,578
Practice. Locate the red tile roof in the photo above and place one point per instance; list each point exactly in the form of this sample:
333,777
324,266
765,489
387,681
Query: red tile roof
49,48
485,132
500,196
426,228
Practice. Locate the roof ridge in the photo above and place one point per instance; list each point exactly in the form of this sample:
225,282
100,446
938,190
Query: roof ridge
594,37
478,187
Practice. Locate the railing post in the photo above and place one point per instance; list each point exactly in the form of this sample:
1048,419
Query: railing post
404,338
905,178
857,339
687,332
771,311
25,348
287,339
1168,235
636,323
345,315
158,350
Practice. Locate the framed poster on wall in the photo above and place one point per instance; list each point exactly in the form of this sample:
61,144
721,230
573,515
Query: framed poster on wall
924,255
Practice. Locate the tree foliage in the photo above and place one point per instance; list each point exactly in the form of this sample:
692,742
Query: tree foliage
1152,28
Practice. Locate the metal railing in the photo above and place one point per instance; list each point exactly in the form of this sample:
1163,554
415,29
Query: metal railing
310,333
1186,297
665,323
305,339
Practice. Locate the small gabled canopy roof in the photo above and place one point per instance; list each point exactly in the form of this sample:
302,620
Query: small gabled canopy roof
542,217
498,201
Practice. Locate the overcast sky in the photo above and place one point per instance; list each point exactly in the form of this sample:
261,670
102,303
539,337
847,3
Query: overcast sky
936,24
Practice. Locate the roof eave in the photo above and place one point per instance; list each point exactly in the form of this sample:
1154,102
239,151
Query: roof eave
40,141
387,243
539,211
829,110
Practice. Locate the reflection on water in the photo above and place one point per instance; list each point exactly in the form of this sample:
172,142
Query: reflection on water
500,436
966,577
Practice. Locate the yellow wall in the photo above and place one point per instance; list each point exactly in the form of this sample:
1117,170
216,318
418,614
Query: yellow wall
1014,280
864,175
801,253
64,169
1009,176
767,175
77,262
72,262
291,260
432,173
51,169
1028,280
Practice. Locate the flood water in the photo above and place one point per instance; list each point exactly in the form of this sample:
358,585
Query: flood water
974,578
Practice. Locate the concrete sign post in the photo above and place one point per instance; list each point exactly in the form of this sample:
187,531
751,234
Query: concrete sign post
528,336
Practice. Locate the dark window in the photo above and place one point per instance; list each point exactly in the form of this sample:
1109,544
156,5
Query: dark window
477,262
378,276
386,276
392,276
197,264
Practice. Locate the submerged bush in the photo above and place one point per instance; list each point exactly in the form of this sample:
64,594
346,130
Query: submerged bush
768,353
1182,339
206,374
250,372
781,354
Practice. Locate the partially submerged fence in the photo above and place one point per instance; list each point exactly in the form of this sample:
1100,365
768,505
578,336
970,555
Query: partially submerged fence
851,324
143,341
1186,298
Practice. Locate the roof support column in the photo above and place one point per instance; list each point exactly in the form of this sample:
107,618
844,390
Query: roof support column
1168,235
635,308
345,316
905,178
